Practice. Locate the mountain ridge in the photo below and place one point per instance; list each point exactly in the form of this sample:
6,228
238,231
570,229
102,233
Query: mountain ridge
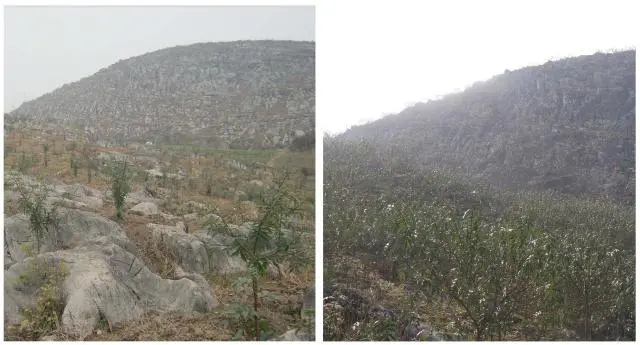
244,94
567,125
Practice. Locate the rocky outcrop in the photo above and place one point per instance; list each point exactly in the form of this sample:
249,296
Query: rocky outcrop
199,252
105,279
91,197
140,196
145,209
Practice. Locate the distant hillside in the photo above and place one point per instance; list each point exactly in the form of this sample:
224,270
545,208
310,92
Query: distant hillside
245,94
567,125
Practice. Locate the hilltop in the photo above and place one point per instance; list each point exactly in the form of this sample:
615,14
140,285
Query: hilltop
244,94
567,125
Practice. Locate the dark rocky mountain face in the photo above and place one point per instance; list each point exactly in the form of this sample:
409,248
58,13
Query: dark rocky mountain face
245,94
567,125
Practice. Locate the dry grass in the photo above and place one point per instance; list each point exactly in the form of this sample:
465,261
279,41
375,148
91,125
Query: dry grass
152,327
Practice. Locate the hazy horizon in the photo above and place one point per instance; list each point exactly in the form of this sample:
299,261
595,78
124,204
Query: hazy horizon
402,54
69,43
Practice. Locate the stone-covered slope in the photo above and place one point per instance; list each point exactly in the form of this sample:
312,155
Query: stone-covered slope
567,125
246,94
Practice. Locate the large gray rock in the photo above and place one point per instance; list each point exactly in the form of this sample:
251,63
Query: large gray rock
105,277
203,251
74,228
56,201
296,335
90,197
219,259
145,209
190,217
210,219
70,196
198,252
189,249
139,196
168,217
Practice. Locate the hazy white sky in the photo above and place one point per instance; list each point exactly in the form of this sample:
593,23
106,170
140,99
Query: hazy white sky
46,47
378,59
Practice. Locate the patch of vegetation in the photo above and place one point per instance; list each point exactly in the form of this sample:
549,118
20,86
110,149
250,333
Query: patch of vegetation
74,164
43,220
303,143
161,259
25,163
119,185
253,193
90,159
263,246
243,318
44,317
528,265
244,155
45,150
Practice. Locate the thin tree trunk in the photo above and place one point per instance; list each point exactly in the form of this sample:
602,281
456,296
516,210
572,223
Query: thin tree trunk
479,333
587,314
255,307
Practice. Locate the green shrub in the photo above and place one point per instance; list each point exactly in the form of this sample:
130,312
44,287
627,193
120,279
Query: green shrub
44,317
243,318
119,185
265,244
303,143
45,150
253,193
25,163
519,265
42,220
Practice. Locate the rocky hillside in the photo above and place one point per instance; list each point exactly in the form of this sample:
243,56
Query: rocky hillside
245,94
567,125
80,272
